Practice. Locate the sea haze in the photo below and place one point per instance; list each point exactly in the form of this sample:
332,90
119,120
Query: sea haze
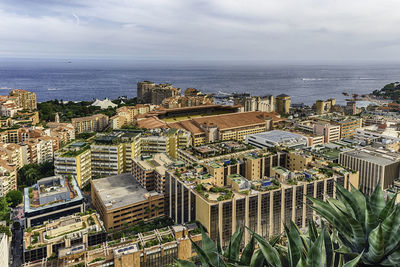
85,80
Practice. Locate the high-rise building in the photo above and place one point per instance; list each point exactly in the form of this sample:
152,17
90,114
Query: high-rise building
74,160
25,99
375,166
112,154
121,200
149,92
254,190
95,123
327,106
8,178
283,104
256,103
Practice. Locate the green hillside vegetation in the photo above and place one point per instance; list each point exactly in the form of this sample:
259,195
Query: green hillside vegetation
389,91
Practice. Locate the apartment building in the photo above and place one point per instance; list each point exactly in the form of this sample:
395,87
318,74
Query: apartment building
65,239
8,177
65,132
125,115
74,160
283,104
112,153
95,123
51,198
151,93
348,124
13,154
149,171
262,203
375,166
121,200
24,99
234,126
187,101
256,103
41,149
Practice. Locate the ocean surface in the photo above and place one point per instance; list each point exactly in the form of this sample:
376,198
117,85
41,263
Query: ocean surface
89,79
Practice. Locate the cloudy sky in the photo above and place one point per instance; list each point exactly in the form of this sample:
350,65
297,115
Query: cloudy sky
204,29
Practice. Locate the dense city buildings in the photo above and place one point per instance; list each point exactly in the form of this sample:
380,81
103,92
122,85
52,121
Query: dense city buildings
149,92
348,125
254,189
65,239
375,166
256,103
121,200
153,248
51,198
233,126
95,123
24,99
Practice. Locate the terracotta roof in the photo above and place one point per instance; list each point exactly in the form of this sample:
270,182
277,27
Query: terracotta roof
186,125
151,123
234,120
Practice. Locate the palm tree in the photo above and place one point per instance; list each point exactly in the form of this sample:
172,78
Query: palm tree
368,226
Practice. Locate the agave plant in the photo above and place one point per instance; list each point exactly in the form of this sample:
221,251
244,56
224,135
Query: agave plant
368,226
314,249
212,255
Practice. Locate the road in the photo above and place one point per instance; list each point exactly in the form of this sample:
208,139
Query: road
16,247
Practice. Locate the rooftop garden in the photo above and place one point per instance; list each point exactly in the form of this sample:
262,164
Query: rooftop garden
218,149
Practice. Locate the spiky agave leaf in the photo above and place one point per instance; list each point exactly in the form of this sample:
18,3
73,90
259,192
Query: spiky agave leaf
350,202
370,219
257,259
316,256
183,263
376,245
233,249
248,252
269,252
392,260
294,251
377,201
388,209
208,253
394,239
353,262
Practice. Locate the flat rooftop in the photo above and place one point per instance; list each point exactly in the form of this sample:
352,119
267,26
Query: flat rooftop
377,156
280,137
120,190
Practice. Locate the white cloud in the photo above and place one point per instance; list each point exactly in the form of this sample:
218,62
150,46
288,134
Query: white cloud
225,29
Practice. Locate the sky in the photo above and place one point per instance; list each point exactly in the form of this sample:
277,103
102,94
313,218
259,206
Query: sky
201,30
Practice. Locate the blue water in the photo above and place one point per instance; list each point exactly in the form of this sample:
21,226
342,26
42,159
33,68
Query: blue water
85,80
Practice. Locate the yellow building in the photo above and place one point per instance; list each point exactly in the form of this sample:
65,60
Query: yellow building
268,198
95,123
75,160
283,104
348,124
112,154
25,99
234,126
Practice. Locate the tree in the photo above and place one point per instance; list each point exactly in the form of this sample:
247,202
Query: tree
4,209
368,226
14,197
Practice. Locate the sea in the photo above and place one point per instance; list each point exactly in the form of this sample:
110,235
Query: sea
77,80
